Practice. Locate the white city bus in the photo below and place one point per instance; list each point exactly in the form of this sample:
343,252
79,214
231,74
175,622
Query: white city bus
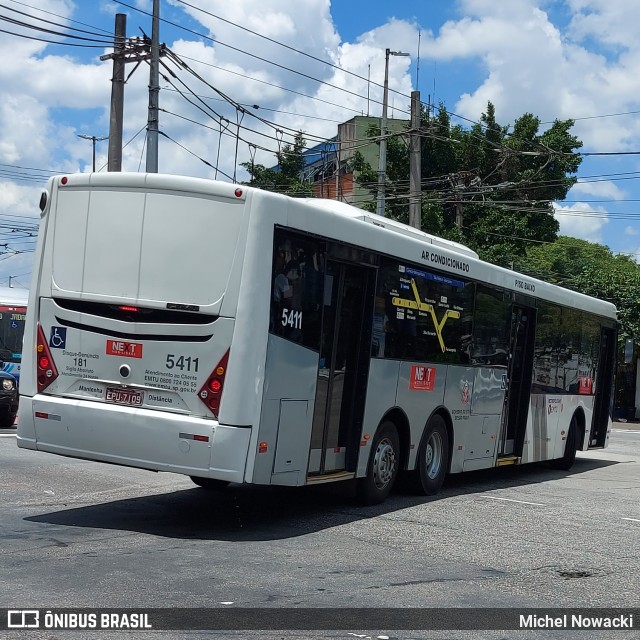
236,335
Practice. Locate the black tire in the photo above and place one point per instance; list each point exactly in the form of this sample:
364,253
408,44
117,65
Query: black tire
570,447
7,419
210,483
382,469
432,463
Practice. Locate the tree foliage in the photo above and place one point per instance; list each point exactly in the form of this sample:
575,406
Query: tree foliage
501,179
286,176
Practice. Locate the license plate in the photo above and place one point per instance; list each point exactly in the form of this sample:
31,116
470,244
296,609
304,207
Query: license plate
124,396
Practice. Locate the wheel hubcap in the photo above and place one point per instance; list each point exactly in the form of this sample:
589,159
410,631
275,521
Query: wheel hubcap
433,455
384,464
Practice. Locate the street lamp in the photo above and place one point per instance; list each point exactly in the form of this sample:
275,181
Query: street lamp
382,164
93,139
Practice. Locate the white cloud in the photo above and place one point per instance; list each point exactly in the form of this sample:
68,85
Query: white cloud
600,189
605,20
22,200
631,231
581,220
530,66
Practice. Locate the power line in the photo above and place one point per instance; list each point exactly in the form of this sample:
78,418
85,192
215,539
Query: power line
272,84
226,175
270,62
57,24
252,55
64,44
26,25
57,15
289,47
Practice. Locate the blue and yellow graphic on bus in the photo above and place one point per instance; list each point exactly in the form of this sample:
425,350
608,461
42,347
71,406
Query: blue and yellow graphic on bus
426,307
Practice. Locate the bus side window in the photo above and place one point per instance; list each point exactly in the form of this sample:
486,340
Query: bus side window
297,288
491,328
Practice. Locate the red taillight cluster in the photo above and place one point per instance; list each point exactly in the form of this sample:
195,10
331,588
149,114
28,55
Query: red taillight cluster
46,367
211,392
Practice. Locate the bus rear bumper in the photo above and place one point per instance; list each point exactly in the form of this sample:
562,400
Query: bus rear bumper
133,437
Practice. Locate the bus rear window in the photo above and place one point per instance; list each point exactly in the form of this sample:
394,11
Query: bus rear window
145,246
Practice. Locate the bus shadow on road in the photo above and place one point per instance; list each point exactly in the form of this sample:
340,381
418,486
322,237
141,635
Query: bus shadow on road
246,513
515,476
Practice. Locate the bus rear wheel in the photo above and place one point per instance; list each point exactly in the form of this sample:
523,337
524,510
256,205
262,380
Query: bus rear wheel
210,483
383,466
570,447
433,457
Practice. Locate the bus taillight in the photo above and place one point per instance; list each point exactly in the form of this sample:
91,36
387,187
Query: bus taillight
47,371
211,392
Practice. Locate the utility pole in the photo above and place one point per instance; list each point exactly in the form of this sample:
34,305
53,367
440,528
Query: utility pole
459,220
93,139
337,149
154,90
461,182
415,159
131,50
117,94
382,162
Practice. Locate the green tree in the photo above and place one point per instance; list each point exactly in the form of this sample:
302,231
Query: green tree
285,177
502,180
396,192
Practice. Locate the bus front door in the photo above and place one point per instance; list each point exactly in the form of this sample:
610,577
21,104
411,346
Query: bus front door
343,368
518,383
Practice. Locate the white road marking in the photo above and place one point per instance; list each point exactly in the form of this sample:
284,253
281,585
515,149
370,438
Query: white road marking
626,430
7,435
632,519
537,504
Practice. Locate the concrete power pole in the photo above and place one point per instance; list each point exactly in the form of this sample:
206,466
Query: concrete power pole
154,90
415,159
134,50
117,94
382,160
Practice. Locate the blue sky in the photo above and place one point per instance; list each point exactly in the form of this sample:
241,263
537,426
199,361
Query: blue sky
554,58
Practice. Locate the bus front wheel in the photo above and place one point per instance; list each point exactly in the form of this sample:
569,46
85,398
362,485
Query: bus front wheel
433,457
210,483
383,465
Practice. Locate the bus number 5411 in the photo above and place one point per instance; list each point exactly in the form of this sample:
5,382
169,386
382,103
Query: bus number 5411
291,318
182,363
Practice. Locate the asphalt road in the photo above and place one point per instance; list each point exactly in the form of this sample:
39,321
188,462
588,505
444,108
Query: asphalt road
83,534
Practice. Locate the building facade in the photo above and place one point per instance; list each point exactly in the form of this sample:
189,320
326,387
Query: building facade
329,166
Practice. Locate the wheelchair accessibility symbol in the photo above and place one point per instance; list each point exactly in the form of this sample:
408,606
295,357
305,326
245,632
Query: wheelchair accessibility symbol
58,338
